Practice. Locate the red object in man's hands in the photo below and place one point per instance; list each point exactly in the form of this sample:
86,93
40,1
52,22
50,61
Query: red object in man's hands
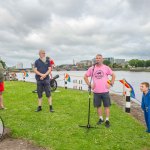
52,62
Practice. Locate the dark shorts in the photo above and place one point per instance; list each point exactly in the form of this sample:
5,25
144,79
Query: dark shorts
102,97
43,85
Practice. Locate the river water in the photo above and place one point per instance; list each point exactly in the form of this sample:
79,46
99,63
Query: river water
134,78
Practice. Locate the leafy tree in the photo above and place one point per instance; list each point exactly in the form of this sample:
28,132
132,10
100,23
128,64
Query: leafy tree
107,62
115,65
3,63
133,62
147,63
140,63
137,63
126,66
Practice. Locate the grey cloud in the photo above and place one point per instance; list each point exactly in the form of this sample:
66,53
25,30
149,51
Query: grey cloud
73,29
65,8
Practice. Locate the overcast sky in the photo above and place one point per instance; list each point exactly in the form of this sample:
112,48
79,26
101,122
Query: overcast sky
73,29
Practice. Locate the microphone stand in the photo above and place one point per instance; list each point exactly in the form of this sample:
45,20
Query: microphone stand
88,126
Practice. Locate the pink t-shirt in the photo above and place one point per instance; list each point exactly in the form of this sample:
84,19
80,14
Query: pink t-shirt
100,77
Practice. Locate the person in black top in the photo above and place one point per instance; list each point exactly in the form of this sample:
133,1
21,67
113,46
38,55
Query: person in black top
42,70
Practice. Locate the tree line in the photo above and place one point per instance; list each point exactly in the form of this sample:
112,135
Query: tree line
132,63
139,63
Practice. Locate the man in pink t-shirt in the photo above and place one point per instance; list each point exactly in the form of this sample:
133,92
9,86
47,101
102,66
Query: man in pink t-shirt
99,74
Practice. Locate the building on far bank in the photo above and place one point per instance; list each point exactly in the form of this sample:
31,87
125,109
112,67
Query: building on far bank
119,61
93,60
84,63
111,59
74,63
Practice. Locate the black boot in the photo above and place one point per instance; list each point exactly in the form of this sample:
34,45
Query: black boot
51,108
107,124
38,109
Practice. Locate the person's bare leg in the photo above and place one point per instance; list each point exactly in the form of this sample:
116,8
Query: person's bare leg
50,103
99,111
50,100
107,112
39,101
100,114
1,101
39,105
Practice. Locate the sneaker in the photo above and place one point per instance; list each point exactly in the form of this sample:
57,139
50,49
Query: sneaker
51,110
38,109
100,121
2,108
107,124
35,91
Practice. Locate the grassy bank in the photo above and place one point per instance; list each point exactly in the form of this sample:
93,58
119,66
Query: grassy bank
59,130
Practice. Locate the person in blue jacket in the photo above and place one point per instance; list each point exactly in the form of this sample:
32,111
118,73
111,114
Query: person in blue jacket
145,105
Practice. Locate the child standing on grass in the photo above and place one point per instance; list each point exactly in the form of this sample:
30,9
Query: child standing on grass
145,105
1,86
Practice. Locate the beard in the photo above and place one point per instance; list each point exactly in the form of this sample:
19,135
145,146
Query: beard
43,59
99,63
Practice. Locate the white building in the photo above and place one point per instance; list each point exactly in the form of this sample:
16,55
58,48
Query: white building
84,63
119,61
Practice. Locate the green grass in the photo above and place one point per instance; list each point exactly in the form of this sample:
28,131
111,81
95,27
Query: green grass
59,130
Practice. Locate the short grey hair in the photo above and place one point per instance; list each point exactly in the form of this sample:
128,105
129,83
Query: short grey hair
41,51
99,55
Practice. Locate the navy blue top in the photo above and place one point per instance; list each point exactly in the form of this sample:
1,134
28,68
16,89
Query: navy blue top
42,68
146,102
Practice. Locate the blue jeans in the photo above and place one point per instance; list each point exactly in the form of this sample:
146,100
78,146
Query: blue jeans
147,119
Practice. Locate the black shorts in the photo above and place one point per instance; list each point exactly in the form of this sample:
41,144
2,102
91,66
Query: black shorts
102,97
43,85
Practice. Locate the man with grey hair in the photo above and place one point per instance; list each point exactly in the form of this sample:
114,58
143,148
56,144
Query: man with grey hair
42,70
99,73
